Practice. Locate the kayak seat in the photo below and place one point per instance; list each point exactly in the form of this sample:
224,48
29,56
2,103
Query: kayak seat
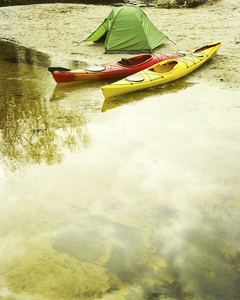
126,62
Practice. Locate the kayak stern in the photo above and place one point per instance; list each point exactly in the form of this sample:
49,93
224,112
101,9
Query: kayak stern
61,77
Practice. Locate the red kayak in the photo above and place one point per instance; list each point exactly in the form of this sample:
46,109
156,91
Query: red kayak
122,68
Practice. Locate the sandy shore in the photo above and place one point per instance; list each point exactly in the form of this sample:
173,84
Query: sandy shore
58,29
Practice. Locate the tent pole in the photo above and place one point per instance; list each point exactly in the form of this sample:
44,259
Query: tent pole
172,42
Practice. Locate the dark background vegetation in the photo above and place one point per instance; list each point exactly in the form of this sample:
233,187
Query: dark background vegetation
161,3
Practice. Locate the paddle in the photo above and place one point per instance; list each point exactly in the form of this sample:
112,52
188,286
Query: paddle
57,69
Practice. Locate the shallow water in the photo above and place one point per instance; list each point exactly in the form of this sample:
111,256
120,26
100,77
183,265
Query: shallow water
136,198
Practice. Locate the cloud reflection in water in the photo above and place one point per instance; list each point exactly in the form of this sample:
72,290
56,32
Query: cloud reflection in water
149,210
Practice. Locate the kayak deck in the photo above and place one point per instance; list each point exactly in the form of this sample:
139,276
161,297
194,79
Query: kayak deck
162,72
120,69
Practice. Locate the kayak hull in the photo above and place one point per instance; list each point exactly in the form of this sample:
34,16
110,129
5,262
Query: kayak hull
114,70
162,72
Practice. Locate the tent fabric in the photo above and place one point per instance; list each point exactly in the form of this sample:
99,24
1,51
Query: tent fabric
128,29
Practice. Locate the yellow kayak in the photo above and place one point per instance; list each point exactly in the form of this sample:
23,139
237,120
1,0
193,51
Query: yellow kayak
162,72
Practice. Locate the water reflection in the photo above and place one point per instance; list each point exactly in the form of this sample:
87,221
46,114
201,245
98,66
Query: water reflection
88,94
173,87
149,210
33,131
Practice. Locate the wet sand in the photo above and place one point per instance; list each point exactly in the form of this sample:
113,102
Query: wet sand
59,29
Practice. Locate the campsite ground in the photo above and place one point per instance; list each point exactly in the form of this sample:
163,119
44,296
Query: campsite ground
58,29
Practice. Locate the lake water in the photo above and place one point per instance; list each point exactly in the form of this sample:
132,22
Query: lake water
136,198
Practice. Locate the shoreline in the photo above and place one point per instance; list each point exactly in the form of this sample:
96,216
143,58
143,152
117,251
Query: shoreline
59,29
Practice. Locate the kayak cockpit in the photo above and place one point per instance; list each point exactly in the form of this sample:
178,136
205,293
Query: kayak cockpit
165,67
134,61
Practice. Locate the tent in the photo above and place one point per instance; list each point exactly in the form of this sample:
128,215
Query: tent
127,29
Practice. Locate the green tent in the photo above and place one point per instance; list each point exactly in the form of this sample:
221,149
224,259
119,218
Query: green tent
127,29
